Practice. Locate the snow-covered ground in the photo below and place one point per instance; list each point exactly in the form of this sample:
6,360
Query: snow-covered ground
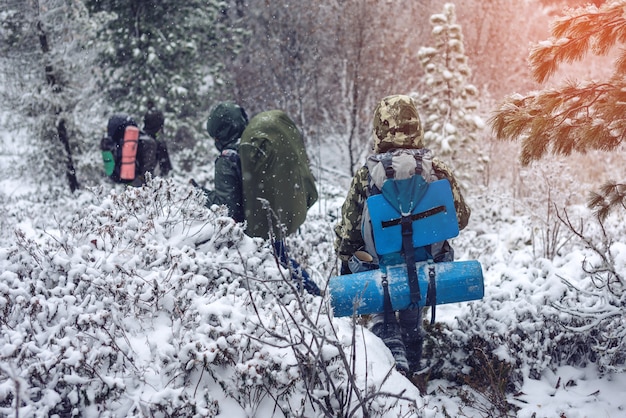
141,302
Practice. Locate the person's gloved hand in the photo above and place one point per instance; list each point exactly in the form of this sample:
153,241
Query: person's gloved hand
361,261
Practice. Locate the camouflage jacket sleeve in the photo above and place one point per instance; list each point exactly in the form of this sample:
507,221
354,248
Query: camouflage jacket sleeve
463,211
228,188
348,237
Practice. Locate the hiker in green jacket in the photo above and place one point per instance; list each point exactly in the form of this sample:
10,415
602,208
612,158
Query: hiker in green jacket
225,125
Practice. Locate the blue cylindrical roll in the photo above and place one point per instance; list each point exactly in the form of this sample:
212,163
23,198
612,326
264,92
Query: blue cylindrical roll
362,293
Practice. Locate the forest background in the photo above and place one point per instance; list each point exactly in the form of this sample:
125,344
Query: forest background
68,65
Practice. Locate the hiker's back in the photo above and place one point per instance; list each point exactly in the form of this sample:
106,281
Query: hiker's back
405,195
275,169
412,210
153,122
146,161
127,152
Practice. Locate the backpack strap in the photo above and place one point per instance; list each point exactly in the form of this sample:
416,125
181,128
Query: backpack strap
409,257
232,156
387,162
418,163
431,295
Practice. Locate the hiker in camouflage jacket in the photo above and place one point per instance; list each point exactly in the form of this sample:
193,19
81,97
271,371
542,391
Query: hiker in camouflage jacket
396,125
225,124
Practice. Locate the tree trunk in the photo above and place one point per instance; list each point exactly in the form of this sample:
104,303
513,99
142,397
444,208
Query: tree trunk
61,128
70,171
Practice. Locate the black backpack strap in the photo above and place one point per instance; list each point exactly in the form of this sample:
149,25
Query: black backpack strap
409,257
389,315
387,162
431,295
418,164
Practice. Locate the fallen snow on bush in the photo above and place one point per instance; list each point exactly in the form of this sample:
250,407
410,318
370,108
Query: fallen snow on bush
142,302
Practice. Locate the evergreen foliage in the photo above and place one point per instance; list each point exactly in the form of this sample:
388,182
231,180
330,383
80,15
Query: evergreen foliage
578,116
167,52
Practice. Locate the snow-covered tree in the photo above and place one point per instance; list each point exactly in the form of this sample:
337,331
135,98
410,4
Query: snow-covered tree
165,52
328,66
448,103
577,116
375,62
46,50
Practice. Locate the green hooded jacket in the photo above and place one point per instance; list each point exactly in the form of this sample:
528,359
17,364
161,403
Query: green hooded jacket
225,125
227,184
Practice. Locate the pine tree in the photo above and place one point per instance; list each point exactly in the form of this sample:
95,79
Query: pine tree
448,104
578,116
163,51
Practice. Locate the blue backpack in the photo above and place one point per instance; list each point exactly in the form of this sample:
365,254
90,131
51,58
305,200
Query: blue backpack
408,213
408,217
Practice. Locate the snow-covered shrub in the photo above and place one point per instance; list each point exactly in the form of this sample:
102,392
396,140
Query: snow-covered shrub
146,303
538,314
599,307
101,315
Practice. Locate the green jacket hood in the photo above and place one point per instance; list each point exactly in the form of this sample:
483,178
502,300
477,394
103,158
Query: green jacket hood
226,123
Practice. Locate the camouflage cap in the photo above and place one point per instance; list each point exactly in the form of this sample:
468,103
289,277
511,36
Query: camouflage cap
397,124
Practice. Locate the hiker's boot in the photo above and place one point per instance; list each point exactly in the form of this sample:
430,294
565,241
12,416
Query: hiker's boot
389,332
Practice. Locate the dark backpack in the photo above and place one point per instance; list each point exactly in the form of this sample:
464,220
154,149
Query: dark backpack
112,146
